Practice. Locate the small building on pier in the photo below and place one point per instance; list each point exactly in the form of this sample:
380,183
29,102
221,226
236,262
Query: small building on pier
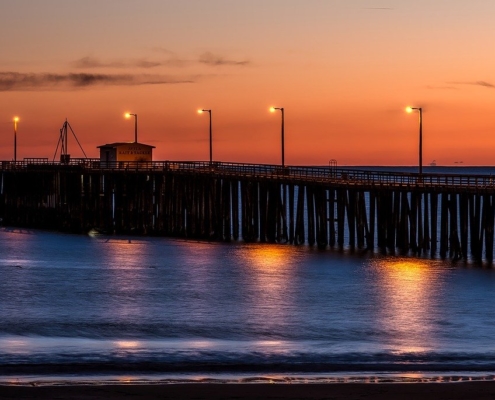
113,154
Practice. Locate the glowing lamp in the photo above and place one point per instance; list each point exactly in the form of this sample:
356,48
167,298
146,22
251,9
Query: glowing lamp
201,111
420,111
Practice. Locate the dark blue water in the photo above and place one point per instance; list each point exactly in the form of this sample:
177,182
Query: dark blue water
84,305
130,308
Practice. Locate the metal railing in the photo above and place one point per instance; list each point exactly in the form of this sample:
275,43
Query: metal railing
323,174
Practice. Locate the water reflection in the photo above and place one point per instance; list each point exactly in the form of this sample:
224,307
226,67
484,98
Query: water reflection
270,272
124,277
409,291
268,258
127,344
14,345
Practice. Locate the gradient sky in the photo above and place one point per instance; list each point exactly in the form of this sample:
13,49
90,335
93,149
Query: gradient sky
344,70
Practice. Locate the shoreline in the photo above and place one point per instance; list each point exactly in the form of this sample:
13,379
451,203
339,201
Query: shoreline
475,390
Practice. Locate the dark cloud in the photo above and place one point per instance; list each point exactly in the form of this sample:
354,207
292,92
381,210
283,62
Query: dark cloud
91,62
15,81
216,60
484,84
475,83
172,60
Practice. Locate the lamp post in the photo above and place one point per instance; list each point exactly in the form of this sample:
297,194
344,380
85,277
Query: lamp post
211,144
420,111
16,120
128,115
273,109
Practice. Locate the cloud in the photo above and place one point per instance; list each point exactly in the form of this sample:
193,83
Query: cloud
475,83
216,60
91,62
484,84
171,60
16,81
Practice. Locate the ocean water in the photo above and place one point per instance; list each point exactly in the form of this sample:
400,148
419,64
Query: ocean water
108,308
86,309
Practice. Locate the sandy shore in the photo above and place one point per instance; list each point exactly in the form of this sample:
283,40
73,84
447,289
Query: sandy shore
348,391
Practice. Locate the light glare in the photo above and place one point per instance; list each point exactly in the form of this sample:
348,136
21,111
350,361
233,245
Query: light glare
16,119
409,109
200,111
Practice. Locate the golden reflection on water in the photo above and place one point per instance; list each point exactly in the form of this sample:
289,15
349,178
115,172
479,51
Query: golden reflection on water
270,270
409,302
268,258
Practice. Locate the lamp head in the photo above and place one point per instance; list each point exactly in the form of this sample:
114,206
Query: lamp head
16,119
200,111
272,109
127,115
409,109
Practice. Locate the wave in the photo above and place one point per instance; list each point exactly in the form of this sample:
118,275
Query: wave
209,362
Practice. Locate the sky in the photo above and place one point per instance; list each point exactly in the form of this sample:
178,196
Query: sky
343,70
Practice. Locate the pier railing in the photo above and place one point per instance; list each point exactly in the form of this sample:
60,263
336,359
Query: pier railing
320,174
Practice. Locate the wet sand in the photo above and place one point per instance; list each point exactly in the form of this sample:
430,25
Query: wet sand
348,391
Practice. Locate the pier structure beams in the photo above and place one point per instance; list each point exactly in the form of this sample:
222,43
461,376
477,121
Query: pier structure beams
213,206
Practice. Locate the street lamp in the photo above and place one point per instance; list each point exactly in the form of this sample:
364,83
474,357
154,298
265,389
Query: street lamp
273,109
420,110
211,152
128,115
16,120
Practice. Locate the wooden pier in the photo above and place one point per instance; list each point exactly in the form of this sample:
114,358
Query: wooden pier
399,213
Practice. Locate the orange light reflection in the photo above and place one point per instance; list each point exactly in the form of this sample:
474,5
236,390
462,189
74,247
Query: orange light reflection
270,271
268,258
127,344
408,288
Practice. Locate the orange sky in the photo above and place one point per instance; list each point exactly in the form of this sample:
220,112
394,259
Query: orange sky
343,70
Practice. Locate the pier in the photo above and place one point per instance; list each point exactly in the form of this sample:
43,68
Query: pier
437,215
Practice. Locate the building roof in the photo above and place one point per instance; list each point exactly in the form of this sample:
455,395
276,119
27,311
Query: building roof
118,144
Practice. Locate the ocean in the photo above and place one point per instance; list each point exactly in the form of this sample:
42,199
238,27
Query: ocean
80,308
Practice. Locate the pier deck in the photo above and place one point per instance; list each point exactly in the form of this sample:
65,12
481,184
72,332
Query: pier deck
446,215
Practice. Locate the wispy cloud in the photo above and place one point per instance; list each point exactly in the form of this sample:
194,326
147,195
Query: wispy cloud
16,81
92,62
475,83
484,84
217,60
171,60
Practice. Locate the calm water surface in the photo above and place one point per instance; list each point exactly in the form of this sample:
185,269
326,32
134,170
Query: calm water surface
82,305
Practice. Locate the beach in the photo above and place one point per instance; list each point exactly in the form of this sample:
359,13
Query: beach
384,391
